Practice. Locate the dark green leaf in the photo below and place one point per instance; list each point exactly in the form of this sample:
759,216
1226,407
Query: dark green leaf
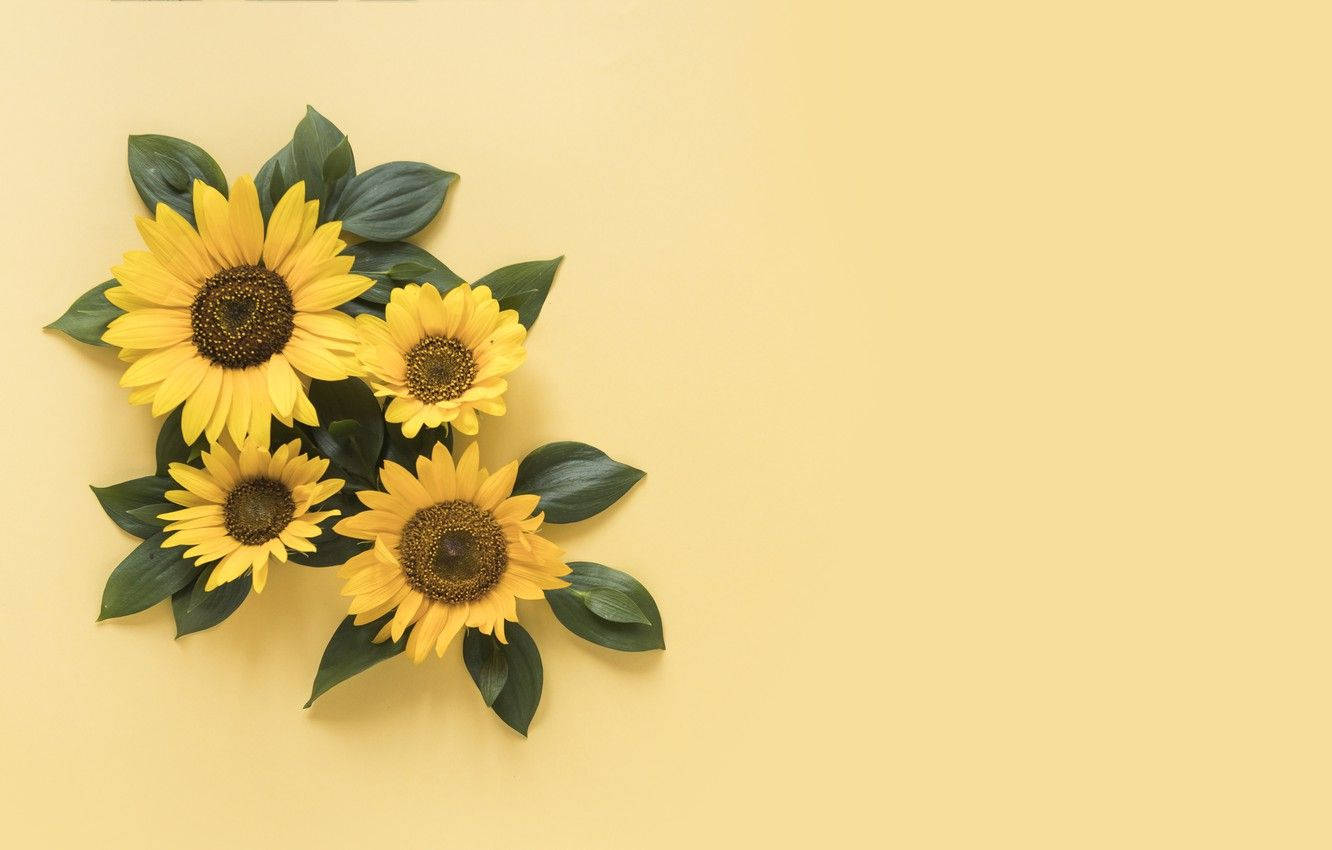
574,480
331,548
318,149
119,499
614,605
355,450
350,651
149,575
382,261
517,700
87,318
319,154
523,287
393,200
572,611
487,663
164,169
197,609
408,271
274,179
151,514
171,446
405,450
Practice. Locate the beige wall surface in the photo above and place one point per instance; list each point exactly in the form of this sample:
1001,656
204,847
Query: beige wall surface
977,354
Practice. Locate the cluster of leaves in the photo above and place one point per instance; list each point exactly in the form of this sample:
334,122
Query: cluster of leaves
602,605
383,205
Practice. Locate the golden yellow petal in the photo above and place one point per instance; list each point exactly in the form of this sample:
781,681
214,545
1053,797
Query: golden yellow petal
247,221
213,213
284,227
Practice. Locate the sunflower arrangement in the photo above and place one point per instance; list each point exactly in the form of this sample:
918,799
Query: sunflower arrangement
311,369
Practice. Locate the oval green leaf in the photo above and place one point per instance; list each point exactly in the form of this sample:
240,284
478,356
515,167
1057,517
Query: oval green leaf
119,500
147,576
521,691
394,200
196,609
613,605
523,287
87,318
570,608
351,651
355,450
164,169
574,480
487,663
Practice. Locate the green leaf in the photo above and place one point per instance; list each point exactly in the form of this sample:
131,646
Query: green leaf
318,153
196,609
320,149
381,261
171,445
87,318
339,163
408,271
521,692
405,450
119,499
350,651
149,575
488,665
164,169
574,480
394,200
355,450
274,179
569,605
151,515
613,605
523,287
331,548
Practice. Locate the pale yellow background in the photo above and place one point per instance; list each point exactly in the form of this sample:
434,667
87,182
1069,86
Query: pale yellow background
978,354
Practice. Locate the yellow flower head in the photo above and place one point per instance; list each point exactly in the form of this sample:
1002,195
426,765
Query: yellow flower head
226,318
441,358
246,507
452,548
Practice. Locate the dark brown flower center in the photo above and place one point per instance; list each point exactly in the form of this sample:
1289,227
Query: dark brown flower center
242,316
257,509
453,552
439,369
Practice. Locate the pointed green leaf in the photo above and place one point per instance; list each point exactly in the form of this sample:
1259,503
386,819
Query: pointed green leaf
521,691
488,665
147,576
196,609
164,169
574,480
613,605
394,200
354,450
87,318
569,606
523,287
171,446
351,651
119,499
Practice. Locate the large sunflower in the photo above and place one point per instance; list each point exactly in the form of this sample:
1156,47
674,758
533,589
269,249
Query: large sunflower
452,548
441,358
247,507
226,318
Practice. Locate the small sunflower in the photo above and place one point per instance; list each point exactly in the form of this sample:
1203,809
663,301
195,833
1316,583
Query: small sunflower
247,507
452,548
228,317
441,358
